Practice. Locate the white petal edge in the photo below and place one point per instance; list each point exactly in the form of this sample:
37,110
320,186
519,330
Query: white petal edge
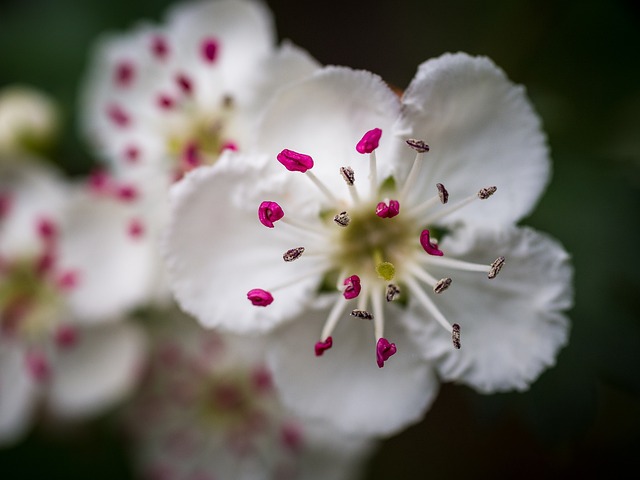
216,250
512,326
99,372
18,394
482,131
344,387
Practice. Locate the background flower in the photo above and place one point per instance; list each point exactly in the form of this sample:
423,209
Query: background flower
576,60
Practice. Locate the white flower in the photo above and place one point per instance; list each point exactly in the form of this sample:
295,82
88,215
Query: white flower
69,271
28,120
209,409
461,157
161,100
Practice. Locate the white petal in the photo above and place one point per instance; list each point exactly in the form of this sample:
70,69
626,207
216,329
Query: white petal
512,326
243,29
101,370
18,394
482,131
114,267
216,249
325,116
34,192
344,387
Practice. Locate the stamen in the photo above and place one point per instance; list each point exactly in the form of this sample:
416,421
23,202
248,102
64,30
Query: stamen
67,280
124,74
495,267
362,314
455,336
353,287
260,297
350,178
47,229
294,161
485,193
458,264
442,193
321,347
38,366
384,350
348,175
428,304
269,212
388,211
333,318
185,83
293,254
66,336
369,141
429,247
342,219
392,292
132,154
135,228
118,116
442,285
378,314
209,49
159,47
165,102
418,145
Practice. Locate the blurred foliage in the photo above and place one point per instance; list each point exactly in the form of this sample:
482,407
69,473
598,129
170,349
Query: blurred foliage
579,61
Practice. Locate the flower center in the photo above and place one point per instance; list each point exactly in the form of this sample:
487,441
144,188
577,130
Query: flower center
378,249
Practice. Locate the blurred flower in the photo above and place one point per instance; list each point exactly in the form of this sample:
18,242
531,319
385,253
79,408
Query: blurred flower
69,272
369,246
29,121
209,409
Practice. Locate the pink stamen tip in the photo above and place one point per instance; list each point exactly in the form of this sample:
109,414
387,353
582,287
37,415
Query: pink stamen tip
292,437
165,102
118,116
124,74
159,47
321,347
46,229
185,83
45,263
262,379
67,280
369,141
384,350
66,336
135,228
127,193
38,366
294,161
269,212
259,297
99,181
353,287
229,145
132,154
388,211
190,156
429,247
209,49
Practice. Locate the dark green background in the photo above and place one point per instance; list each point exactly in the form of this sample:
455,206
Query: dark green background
580,62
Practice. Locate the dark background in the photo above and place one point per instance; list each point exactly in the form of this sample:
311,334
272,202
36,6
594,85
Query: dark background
580,62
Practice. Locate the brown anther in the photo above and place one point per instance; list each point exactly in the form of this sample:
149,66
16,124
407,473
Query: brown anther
455,336
485,193
293,254
342,219
392,292
442,285
442,193
362,314
227,101
496,266
348,175
418,145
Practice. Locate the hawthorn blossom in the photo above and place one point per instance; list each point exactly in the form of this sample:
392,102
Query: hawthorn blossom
397,260
208,409
163,99
69,272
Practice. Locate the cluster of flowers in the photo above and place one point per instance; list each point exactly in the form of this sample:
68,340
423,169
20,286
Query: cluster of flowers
316,314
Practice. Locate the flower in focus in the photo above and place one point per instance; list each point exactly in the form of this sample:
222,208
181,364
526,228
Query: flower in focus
69,272
208,409
28,121
162,100
398,250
